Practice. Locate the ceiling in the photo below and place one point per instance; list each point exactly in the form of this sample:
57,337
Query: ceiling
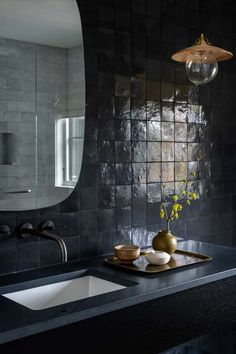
49,22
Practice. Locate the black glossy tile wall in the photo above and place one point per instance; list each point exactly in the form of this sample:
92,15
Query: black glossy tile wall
143,119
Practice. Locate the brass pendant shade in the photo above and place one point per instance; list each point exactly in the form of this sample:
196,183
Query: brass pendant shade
201,60
202,45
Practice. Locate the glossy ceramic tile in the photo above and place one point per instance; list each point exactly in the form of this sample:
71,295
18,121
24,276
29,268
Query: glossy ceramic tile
144,122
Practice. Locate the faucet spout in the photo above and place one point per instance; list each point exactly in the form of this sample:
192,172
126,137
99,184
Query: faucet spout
26,230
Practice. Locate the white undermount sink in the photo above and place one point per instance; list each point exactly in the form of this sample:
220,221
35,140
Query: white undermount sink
50,295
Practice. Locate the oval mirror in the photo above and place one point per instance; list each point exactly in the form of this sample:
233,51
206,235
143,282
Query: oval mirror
42,105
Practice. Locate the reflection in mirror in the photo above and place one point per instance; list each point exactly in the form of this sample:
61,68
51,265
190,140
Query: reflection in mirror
42,106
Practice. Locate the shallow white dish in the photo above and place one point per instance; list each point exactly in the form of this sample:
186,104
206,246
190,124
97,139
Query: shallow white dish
157,257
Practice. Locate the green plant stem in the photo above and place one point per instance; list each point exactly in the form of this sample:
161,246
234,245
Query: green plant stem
168,225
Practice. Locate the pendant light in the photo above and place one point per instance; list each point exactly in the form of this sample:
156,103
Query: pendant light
201,60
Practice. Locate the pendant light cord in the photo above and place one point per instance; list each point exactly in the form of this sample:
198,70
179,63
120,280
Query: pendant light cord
201,14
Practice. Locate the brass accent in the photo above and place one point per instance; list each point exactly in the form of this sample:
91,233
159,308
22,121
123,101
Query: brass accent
178,260
202,45
164,241
127,253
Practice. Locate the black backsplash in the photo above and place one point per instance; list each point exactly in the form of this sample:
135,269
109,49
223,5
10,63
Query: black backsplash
134,93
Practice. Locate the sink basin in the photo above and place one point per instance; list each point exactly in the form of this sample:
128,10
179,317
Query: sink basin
59,293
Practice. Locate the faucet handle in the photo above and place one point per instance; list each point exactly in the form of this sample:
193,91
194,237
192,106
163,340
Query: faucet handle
23,230
47,226
4,232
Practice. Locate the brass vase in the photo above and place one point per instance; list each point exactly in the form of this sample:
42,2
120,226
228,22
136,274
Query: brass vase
164,241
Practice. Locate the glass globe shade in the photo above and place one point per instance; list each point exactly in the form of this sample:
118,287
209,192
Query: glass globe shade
201,68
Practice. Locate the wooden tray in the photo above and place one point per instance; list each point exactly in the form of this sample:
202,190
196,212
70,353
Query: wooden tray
179,259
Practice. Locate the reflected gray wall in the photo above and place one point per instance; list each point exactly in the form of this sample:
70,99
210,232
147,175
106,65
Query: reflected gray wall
37,83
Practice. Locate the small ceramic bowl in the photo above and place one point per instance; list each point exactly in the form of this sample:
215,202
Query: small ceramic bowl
127,253
157,257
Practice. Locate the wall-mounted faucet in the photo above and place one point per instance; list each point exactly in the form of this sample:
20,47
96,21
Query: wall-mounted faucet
47,228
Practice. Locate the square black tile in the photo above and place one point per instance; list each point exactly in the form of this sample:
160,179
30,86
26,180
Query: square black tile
138,67
193,95
167,174
106,174
138,130
123,173
153,90
181,132
153,110
123,218
138,109
49,253
181,171
139,193
8,259
153,172
89,198
122,86
139,151
167,131
89,246
88,175
123,130
106,39
106,151
106,242
139,6
153,151
106,16
122,107
123,196
167,91
106,83
106,220
124,4
167,71
28,256
91,131
122,42
181,93
153,131
153,69
106,107
106,130
153,212
139,172
153,28
123,64
139,235
167,112
181,112
73,248
123,236
106,196
123,20
154,8
90,154
122,151
167,152
138,87
154,193
153,48
88,223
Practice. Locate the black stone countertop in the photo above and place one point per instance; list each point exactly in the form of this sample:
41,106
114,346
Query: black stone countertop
17,321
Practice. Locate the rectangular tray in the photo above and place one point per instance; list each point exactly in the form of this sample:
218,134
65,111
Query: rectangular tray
179,259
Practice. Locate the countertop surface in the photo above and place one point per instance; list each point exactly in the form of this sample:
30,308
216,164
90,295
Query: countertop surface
18,321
